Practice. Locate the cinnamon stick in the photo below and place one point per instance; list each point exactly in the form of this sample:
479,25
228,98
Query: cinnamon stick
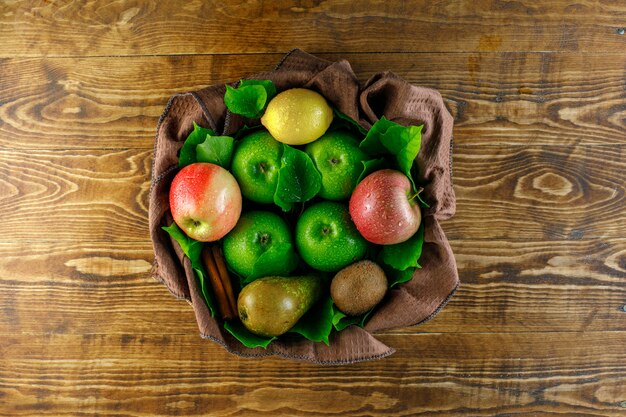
221,299
225,277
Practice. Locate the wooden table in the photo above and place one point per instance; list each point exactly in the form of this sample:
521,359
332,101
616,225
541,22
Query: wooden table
538,91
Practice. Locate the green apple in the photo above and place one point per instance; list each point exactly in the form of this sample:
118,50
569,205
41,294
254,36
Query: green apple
260,245
337,157
256,162
327,239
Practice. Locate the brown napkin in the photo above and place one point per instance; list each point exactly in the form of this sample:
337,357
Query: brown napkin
384,94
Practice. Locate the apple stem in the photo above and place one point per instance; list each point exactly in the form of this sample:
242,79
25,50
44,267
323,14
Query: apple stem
414,196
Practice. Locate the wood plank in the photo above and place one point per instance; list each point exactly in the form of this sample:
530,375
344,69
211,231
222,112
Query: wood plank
443,375
539,192
526,192
95,103
87,27
504,98
60,288
96,195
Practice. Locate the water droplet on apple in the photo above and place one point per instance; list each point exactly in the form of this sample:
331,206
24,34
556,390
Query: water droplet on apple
399,224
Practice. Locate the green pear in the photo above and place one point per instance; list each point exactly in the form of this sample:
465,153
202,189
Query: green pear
270,306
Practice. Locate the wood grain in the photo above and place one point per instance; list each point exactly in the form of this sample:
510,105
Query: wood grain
538,92
504,98
130,27
75,195
526,192
539,192
84,287
151,375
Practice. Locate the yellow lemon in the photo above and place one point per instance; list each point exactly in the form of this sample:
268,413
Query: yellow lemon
297,116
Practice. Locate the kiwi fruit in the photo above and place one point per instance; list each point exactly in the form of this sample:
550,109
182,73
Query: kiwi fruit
358,287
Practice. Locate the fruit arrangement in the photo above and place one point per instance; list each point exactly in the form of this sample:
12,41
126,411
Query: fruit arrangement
302,220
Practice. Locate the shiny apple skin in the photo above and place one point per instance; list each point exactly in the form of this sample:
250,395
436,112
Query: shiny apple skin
205,201
381,208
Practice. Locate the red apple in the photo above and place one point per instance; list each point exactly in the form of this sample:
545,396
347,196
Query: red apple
382,208
205,201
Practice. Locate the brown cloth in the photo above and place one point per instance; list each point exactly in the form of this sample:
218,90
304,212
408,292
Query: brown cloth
384,94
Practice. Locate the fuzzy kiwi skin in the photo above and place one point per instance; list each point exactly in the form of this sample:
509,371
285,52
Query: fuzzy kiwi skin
358,287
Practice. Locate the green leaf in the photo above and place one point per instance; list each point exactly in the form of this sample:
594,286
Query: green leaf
298,179
337,315
268,85
423,204
389,138
343,121
341,321
187,154
204,288
179,236
247,101
250,98
193,250
404,143
284,205
278,257
406,254
245,336
216,150
372,144
395,277
371,166
317,323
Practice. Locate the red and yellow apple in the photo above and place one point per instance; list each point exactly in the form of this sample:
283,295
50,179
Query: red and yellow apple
383,209
205,201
